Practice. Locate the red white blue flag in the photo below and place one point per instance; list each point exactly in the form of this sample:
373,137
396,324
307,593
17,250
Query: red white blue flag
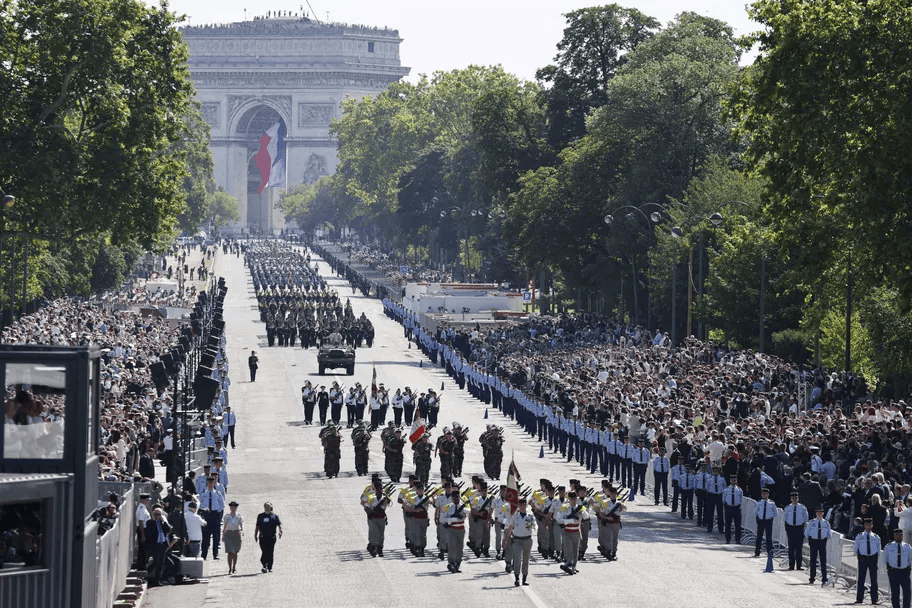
270,159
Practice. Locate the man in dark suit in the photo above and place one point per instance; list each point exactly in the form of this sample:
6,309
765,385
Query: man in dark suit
157,543
147,464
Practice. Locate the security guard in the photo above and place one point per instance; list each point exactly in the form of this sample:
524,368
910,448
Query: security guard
640,458
732,496
867,549
212,505
686,487
898,557
766,513
794,517
818,531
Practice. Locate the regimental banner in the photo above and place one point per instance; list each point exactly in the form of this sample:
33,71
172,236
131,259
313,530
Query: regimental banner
512,493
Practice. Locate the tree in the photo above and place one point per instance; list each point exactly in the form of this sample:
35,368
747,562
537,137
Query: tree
826,113
666,108
596,43
199,185
222,209
94,93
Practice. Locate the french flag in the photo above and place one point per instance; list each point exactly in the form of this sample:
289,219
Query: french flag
270,159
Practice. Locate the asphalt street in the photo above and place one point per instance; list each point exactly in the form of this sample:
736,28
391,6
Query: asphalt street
322,561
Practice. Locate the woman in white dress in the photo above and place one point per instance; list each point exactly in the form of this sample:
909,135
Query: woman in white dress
231,534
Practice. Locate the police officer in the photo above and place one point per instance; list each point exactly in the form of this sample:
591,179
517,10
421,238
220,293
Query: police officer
660,468
818,532
898,557
766,513
732,496
794,517
640,458
267,525
867,549
686,487
715,485
213,504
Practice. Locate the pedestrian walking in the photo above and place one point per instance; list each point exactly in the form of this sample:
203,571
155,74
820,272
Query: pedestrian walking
268,524
233,529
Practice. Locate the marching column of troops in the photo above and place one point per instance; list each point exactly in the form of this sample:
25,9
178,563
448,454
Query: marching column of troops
294,300
562,518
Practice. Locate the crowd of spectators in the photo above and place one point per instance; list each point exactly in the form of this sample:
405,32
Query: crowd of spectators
767,421
392,265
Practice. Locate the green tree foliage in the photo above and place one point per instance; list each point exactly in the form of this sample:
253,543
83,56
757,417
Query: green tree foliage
826,112
94,93
199,184
666,107
312,206
222,209
596,43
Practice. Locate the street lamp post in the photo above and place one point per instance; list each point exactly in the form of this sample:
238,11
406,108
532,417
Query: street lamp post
652,218
466,213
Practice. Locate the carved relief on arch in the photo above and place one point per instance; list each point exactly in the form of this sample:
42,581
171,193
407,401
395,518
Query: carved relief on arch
211,113
314,168
315,113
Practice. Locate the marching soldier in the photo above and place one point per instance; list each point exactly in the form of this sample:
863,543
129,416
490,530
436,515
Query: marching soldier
332,449
453,517
417,512
519,531
461,434
406,497
480,526
374,503
446,444
323,404
335,399
408,405
441,501
541,508
361,440
610,517
308,398
422,457
569,518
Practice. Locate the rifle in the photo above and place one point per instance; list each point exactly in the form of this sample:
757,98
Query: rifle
483,508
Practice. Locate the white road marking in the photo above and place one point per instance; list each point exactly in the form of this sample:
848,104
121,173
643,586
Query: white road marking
534,597
276,449
252,450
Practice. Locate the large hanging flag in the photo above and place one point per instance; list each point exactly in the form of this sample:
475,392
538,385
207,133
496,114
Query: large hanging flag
417,430
512,493
270,159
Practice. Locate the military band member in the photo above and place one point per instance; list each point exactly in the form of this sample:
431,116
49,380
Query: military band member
441,501
818,532
405,497
541,508
422,457
453,517
417,512
374,503
557,532
609,517
393,455
519,531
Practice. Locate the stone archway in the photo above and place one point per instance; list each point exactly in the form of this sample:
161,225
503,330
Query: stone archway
251,125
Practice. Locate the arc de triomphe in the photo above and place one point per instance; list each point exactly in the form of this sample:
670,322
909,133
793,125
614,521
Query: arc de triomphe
251,74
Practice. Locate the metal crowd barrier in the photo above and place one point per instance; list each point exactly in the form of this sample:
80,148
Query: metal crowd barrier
114,554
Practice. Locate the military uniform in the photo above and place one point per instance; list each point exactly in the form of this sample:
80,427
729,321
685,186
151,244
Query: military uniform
361,442
332,450
375,502
453,517
422,457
